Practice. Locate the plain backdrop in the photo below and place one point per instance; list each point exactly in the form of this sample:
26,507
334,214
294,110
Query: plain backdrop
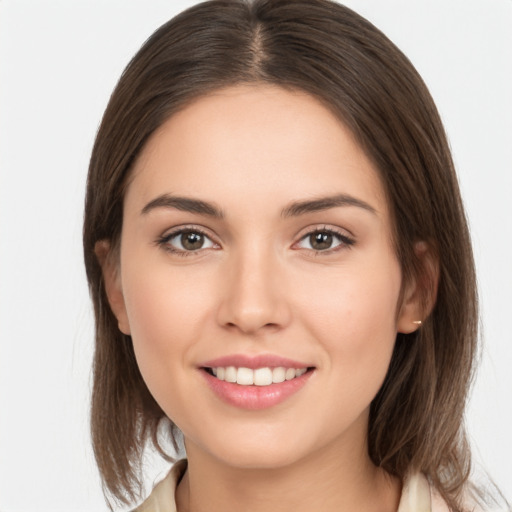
59,61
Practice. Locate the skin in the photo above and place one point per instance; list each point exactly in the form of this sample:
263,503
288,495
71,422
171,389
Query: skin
257,286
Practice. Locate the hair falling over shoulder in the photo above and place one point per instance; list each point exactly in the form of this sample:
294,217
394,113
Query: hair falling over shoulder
332,53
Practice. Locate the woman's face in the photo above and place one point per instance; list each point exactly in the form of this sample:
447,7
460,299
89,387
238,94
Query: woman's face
256,235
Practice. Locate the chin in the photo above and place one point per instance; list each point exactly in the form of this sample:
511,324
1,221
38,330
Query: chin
253,452
268,456
257,458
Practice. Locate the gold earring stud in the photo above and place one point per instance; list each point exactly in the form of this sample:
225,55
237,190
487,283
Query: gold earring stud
417,322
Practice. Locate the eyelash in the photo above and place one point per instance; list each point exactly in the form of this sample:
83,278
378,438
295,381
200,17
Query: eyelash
164,240
346,242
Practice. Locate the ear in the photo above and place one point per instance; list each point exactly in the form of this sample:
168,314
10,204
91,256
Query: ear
112,280
420,293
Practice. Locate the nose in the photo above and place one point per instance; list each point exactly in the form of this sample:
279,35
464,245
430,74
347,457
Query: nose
254,295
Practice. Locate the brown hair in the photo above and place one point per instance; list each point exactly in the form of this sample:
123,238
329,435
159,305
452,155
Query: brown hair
327,50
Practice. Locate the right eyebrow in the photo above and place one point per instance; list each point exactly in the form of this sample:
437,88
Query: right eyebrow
325,203
185,204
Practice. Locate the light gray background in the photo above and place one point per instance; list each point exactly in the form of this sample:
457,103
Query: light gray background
59,61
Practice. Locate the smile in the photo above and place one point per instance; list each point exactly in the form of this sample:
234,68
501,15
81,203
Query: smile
257,377
255,383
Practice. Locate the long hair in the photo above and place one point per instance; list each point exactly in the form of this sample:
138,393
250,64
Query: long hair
332,53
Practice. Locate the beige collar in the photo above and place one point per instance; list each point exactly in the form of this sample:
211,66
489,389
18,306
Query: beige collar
416,495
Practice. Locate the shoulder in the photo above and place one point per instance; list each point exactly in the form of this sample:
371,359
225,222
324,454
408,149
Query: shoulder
162,497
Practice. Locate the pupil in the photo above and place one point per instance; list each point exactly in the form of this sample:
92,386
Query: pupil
321,241
192,241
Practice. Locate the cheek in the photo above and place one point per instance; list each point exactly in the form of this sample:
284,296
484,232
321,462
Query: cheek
354,298
353,315
167,311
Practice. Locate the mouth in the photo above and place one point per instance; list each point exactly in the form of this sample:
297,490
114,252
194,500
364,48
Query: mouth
264,376
255,382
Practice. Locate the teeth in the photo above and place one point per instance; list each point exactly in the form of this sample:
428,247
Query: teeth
290,374
258,377
245,376
278,374
230,374
262,376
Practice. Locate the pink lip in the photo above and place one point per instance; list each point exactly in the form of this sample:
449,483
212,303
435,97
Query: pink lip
253,362
254,397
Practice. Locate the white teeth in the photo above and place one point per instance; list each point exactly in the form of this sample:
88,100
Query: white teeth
230,374
245,376
259,377
262,376
290,373
278,374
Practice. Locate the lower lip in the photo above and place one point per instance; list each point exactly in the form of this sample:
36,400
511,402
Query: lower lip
255,397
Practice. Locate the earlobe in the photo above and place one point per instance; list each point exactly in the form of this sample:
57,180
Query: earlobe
410,316
421,293
112,281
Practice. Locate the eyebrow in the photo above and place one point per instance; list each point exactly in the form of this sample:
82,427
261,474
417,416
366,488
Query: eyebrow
325,203
295,209
185,204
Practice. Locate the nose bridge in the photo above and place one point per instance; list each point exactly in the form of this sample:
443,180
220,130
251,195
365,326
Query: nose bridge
254,296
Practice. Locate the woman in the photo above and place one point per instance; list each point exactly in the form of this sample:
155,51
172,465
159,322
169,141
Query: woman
280,267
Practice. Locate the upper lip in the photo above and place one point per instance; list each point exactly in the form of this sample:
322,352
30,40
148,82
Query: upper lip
253,362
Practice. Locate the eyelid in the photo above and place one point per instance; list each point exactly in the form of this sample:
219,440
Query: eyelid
186,227
346,238
343,235
169,234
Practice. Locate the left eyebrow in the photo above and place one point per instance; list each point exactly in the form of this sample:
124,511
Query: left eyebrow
186,204
325,203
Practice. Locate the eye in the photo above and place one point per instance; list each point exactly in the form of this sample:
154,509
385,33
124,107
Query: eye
323,240
186,241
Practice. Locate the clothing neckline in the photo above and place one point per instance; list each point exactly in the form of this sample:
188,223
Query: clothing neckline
416,493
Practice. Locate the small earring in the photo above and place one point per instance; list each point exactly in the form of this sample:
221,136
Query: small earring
417,322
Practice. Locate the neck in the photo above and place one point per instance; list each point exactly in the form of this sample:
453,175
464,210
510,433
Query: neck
328,480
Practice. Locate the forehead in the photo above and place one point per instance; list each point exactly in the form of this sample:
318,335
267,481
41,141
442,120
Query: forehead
259,141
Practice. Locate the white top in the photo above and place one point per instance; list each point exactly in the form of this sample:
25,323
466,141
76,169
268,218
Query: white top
417,496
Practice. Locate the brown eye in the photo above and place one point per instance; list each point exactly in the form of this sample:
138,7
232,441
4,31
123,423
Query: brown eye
324,240
186,241
192,241
321,241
